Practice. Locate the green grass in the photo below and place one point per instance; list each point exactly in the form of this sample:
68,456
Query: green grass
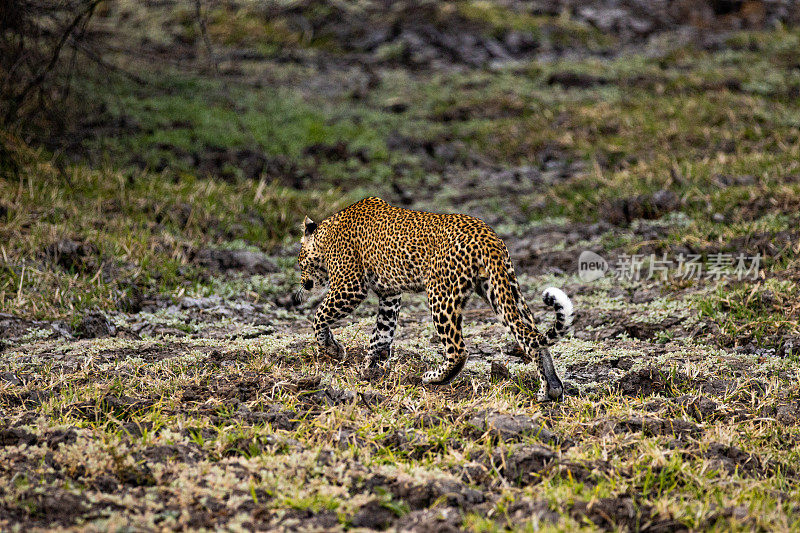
660,123
560,30
176,115
664,122
760,313
676,478
717,128
141,229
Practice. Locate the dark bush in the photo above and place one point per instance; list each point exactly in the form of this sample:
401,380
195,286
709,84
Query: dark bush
39,42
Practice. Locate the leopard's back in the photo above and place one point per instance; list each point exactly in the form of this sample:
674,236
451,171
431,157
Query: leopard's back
399,248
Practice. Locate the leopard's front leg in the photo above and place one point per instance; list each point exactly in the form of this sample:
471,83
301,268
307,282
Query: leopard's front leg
380,344
338,303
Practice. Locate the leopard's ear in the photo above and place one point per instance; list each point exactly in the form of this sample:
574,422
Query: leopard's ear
309,226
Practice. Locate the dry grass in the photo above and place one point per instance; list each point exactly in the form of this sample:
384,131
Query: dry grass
196,432
194,400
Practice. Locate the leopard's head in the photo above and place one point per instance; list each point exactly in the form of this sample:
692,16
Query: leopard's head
311,259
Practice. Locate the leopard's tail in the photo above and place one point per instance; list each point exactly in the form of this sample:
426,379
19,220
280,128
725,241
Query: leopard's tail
562,305
515,306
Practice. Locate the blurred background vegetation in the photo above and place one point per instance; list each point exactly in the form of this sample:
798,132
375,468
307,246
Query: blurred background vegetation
138,135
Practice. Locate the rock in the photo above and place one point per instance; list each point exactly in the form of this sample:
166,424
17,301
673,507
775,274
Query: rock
788,414
10,377
605,19
374,516
245,308
95,325
509,427
641,26
437,520
665,200
201,302
242,260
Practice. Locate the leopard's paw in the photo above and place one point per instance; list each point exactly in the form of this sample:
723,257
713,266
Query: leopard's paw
549,394
430,377
333,350
445,373
541,397
378,355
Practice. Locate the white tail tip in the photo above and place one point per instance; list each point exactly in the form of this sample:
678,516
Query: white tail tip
558,299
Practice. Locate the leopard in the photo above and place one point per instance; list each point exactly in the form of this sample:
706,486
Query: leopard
374,246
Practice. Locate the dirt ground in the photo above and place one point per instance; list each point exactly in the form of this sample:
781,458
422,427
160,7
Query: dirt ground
186,395
213,412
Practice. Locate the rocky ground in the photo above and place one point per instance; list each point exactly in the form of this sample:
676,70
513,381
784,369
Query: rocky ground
212,411
155,372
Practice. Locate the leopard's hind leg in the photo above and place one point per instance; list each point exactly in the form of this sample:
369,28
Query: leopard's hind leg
506,299
447,300
380,344
482,290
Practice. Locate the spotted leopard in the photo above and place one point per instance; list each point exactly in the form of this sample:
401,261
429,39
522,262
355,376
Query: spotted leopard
372,245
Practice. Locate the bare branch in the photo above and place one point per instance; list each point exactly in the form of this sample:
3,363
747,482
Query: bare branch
26,58
201,22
